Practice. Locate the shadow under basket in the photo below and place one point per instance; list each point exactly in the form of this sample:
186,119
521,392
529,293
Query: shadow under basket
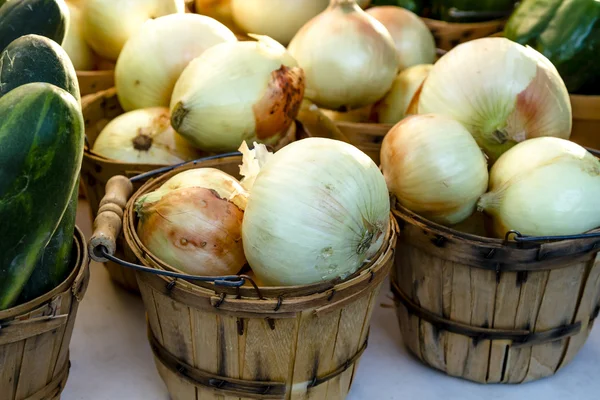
35,336
98,110
212,342
493,311
450,34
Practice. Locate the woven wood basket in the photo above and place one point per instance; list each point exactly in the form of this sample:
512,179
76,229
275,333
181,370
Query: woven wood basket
493,311
95,81
450,34
586,120
35,336
213,342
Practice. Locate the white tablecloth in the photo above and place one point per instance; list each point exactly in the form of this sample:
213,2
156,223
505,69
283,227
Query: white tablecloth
111,358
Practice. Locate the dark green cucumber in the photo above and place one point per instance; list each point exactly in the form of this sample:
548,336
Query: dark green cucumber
35,58
55,264
567,32
42,17
41,148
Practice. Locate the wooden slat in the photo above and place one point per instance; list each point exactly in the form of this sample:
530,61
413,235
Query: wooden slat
457,349
11,356
409,324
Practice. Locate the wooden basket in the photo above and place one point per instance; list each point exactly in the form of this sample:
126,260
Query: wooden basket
366,136
586,120
98,109
493,311
450,34
94,81
214,342
35,336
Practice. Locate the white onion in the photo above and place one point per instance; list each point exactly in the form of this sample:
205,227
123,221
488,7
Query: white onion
279,19
434,167
191,224
349,57
109,24
79,51
544,186
317,210
414,41
155,56
144,137
249,90
501,91
395,105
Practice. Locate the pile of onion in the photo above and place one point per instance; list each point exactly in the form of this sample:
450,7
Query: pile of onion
144,136
109,24
434,167
193,222
501,91
235,92
544,187
349,57
317,210
155,56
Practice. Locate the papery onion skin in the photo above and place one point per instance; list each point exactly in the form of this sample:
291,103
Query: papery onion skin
144,136
349,57
153,58
195,231
502,92
317,210
396,103
543,187
107,26
79,51
279,19
236,92
434,167
413,39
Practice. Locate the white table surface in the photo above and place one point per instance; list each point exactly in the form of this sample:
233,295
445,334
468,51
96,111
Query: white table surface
111,358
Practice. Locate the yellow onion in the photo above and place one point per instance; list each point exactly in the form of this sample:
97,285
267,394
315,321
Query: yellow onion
154,57
544,186
192,225
395,105
501,91
109,24
317,210
249,90
434,167
79,51
144,137
414,41
349,57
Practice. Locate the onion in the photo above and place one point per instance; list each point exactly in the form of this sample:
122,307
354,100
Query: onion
501,91
144,137
434,167
154,57
414,41
348,57
109,24
542,187
317,210
219,10
194,228
279,19
249,90
79,51
395,105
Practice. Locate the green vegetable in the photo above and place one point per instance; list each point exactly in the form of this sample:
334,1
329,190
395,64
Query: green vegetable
34,58
565,31
41,148
42,17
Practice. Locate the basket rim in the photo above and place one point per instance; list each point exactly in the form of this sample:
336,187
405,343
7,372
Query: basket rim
80,261
149,260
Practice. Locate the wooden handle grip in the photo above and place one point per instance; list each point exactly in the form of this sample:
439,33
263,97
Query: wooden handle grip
109,221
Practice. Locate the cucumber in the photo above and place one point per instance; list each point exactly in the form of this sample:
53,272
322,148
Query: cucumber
43,17
55,264
41,148
35,58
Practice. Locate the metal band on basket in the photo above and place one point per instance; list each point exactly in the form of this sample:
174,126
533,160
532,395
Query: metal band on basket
518,337
239,387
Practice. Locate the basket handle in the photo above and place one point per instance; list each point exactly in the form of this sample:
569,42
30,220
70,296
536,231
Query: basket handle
109,221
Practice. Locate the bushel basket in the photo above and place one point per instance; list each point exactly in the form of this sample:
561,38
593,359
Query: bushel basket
216,338
35,336
490,310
